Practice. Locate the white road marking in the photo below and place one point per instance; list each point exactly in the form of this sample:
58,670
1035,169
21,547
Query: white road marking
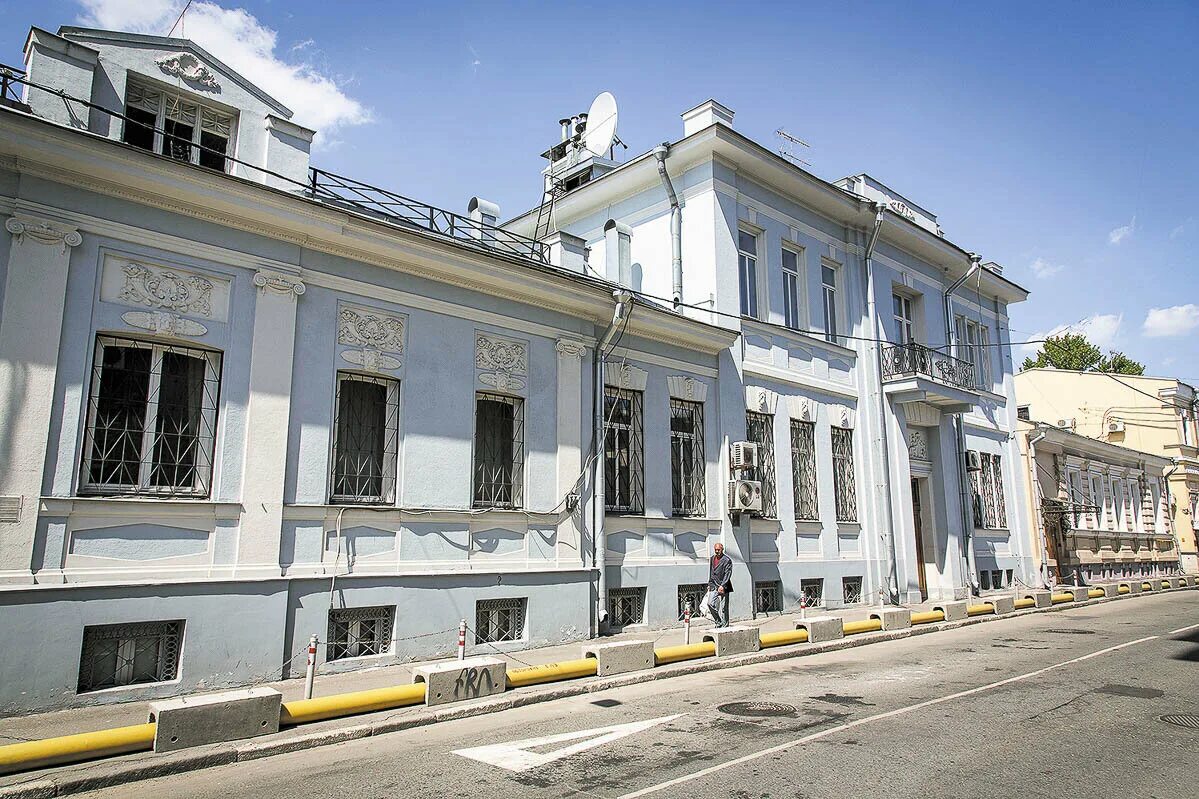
889,714
515,756
1183,629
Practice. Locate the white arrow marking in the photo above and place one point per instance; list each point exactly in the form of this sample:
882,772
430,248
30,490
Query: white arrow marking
515,756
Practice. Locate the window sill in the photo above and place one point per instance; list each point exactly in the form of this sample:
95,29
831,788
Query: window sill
119,689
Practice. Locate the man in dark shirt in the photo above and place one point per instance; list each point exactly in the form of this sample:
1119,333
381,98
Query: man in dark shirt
720,580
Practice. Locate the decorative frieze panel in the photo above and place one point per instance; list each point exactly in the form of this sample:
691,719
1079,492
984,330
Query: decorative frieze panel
500,363
168,290
626,376
163,323
363,327
761,400
687,388
189,68
918,444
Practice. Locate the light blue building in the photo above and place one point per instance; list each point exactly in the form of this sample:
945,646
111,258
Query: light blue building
246,401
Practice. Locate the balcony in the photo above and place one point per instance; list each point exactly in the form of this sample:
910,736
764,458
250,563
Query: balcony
915,373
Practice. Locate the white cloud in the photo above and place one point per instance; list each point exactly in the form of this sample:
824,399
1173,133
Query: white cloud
1042,269
1121,233
239,39
1187,225
1173,321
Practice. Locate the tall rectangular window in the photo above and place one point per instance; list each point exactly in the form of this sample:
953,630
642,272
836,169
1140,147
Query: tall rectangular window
177,126
151,424
499,451
687,494
904,323
624,452
747,270
974,347
828,281
803,470
791,289
365,439
844,483
990,510
759,429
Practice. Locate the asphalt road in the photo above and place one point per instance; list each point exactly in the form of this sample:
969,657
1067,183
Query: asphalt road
1055,704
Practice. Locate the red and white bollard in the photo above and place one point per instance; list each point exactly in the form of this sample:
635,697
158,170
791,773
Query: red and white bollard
803,606
462,640
687,623
310,671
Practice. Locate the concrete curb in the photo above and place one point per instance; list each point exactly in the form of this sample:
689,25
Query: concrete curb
82,777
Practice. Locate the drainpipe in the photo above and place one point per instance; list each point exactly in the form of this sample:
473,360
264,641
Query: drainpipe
960,435
1038,517
599,539
884,456
676,225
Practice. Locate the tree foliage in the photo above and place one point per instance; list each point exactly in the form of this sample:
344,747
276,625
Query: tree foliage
1075,352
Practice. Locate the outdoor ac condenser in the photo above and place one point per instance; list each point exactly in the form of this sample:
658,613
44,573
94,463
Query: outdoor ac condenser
745,496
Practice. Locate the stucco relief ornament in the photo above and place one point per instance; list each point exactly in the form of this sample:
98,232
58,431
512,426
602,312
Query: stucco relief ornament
504,360
42,233
918,445
571,348
283,284
167,289
763,400
380,331
164,323
189,68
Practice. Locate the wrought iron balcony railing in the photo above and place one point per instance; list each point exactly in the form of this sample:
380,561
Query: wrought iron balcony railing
917,360
11,80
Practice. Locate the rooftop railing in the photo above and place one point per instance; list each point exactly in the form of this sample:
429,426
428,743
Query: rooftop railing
11,80
917,360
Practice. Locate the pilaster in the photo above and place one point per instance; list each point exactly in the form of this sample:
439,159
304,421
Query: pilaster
570,443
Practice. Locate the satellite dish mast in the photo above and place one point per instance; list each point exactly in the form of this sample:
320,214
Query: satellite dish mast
601,125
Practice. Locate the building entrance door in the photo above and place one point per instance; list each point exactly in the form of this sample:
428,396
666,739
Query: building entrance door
918,519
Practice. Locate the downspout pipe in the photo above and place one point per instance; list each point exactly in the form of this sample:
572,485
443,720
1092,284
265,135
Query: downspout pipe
960,435
1038,517
884,456
599,538
676,225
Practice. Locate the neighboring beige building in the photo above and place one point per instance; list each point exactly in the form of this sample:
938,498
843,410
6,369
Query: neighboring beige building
1157,415
1098,510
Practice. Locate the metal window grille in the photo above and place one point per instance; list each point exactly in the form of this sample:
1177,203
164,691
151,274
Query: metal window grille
768,597
1008,578
499,451
759,428
844,483
365,439
151,424
803,469
791,289
129,654
984,580
851,590
976,497
626,606
691,594
987,488
624,452
688,495
1000,505
997,579
359,632
500,620
812,592
747,262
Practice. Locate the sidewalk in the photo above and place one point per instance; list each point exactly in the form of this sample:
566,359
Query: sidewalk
88,719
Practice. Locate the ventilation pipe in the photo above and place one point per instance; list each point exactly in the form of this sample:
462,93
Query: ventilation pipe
1038,514
960,435
618,252
485,213
676,225
599,539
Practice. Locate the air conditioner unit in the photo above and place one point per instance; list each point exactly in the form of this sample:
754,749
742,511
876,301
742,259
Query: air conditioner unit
973,463
743,455
1067,424
1115,426
745,495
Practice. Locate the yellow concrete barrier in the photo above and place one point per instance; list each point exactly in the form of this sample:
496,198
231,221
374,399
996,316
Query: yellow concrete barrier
867,626
1058,598
1022,604
1166,584
984,609
1096,593
301,711
928,617
74,748
674,654
552,672
1123,589
783,638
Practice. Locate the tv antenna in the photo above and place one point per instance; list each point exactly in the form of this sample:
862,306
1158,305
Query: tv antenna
787,144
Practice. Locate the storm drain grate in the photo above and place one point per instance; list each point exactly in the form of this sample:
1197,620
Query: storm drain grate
1188,720
757,709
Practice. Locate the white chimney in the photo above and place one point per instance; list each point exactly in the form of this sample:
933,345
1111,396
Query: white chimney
618,252
484,211
705,115
567,251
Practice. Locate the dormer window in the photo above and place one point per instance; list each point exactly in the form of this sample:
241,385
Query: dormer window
177,126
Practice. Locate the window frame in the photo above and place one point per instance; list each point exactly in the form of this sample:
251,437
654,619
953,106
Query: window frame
800,495
635,430
159,145
516,476
844,471
355,618
793,309
170,631
974,346
695,505
391,444
830,297
496,605
904,316
767,471
750,303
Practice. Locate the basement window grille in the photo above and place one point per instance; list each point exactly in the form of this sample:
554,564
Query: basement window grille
688,496
759,428
768,597
1009,575
359,632
984,580
997,579
114,655
693,594
499,451
803,470
812,592
499,620
151,419
626,606
844,482
851,590
366,439
624,452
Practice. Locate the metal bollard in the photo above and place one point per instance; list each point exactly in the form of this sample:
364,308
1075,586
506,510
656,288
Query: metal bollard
462,640
687,623
803,606
310,671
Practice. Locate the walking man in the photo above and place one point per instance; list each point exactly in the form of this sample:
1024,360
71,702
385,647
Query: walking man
720,580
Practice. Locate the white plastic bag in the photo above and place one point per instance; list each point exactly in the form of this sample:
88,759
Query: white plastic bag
705,606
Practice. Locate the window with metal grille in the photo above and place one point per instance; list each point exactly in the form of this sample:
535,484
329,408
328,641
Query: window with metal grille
791,288
987,493
812,592
747,268
129,654
499,451
997,578
624,452
844,483
365,439
626,606
151,419
691,594
851,590
803,469
500,620
1008,578
177,126
359,632
768,597
984,580
759,428
688,496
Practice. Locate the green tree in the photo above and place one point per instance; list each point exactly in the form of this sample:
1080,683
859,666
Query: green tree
1074,352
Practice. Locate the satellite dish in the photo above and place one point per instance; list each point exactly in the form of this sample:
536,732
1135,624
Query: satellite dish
601,125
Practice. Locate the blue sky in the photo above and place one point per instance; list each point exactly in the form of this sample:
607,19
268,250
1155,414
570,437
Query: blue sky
1056,139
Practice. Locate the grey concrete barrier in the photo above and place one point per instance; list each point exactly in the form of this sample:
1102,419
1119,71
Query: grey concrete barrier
821,628
213,718
1134,586
954,611
1110,589
893,618
457,680
1003,604
620,657
1044,599
734,640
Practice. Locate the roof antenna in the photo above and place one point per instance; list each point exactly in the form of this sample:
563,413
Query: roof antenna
787,144
179,22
